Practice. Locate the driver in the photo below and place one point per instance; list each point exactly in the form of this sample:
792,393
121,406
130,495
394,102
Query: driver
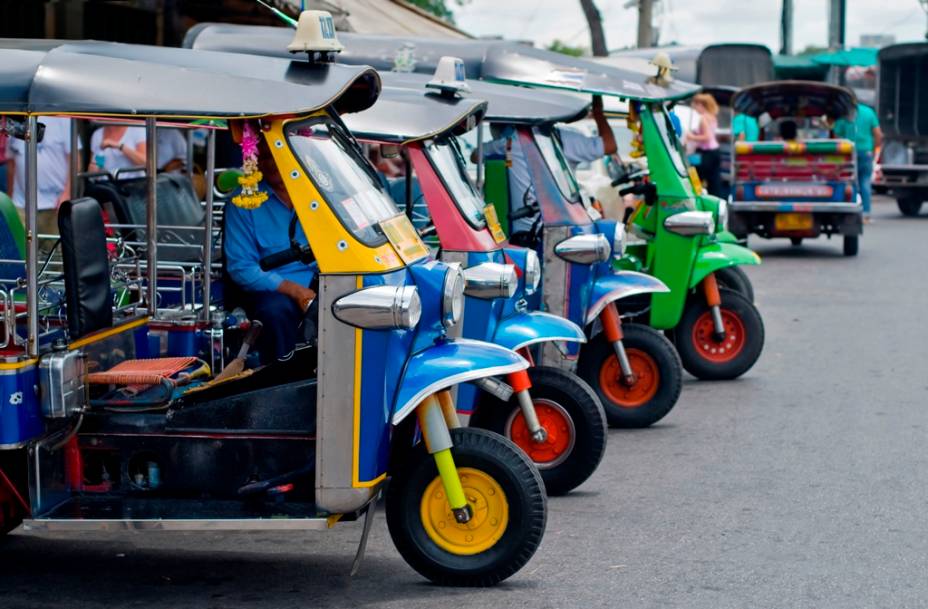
254,230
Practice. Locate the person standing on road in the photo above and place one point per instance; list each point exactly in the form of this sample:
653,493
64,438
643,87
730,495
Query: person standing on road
706,144
867,136
744,128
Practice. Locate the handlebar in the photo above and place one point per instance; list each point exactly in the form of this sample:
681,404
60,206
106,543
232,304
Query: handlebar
526,212
294,253
645,189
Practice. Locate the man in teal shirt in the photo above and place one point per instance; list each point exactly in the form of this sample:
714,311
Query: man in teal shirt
744,128
865,132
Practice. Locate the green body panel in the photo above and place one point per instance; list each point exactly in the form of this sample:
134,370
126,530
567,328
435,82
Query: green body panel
727,237
496,190
14,224
718,255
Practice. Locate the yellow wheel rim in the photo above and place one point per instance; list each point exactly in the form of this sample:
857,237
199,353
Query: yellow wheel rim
488,503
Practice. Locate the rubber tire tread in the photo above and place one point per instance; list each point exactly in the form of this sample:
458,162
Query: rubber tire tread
734,278
851,245
583,406
754,327
647,339
909,206
525,492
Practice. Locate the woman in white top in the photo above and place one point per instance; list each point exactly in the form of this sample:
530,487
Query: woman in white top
117,147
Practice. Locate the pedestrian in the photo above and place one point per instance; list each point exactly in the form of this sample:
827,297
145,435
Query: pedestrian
744,128
172,151
53,172
116,147
703,138
864,130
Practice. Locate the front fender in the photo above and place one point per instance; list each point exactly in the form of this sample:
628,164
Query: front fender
523,329
450,363
609,288
715,256
726,236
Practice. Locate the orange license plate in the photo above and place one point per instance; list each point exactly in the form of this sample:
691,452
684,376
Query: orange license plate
790,222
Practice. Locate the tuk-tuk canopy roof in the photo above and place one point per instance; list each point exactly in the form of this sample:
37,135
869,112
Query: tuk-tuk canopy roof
133,80
509,104
794,98
404,115
732,64
490,60
902,82
857,56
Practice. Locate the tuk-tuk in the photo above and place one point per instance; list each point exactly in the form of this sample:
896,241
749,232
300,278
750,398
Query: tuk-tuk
903,161
633,368
99,433
796,182
554,417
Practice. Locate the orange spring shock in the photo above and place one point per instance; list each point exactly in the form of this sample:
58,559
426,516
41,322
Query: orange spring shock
710,287
612,329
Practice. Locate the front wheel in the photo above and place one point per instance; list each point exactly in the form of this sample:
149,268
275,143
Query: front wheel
851,245
657,369
909,206
506,496
735,279
573,418
707,358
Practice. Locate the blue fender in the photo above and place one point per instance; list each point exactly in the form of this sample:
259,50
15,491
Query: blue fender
450,363
621,284
523,329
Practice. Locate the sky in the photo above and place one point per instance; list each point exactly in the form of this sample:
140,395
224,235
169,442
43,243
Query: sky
690,21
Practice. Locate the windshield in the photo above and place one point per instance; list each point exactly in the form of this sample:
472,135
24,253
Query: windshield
557,165
449,164
343,176
669,138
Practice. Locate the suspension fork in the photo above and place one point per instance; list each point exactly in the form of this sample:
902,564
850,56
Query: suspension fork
612,328
521,383
433,417
710,288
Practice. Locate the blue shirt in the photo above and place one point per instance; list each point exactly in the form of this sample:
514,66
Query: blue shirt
252,234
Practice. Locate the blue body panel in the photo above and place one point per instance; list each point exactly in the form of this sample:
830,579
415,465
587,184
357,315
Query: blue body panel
20,416
617,285
449,363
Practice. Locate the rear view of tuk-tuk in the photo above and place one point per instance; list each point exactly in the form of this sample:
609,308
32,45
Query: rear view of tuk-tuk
797,182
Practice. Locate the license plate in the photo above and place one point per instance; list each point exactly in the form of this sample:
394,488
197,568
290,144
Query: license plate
786,222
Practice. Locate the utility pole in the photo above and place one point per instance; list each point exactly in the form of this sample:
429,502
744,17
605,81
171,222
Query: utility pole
595,22
837,22
645,23
924,4
786,28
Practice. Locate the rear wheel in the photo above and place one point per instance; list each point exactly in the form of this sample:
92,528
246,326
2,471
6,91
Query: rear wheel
909,206
797,241
851,245
658,376
735,279
506,496
707,358
573,418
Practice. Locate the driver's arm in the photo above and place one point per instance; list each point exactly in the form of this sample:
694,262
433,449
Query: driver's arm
603,127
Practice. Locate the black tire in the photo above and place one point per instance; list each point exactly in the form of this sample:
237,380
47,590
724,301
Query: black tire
735,279
656,353
555,388
909,206
752,341
851,245
797,241
524,492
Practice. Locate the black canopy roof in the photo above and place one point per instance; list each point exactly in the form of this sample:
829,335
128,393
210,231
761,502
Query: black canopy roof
491,60
133,80
794,98
728,64
902,90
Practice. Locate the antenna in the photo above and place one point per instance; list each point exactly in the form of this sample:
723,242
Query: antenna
279,13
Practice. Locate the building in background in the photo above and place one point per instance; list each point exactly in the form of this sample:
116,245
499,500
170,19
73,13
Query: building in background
877,41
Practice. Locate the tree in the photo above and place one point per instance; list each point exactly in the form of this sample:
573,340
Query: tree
562,47
439,8
595,21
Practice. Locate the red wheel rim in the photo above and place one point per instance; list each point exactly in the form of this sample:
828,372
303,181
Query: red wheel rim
647,379
712,350
561,434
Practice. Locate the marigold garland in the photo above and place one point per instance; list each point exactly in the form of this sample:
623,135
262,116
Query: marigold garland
251,196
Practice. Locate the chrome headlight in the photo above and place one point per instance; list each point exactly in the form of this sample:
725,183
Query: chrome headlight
689,223
380,308
618,241
490,280
723,215
452,299
584,249
532,272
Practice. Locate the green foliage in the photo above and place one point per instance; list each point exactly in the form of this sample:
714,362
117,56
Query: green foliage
562,47
439,8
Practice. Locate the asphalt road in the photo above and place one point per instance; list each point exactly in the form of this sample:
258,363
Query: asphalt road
803,484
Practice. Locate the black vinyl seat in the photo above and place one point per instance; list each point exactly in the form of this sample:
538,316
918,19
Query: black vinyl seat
86,267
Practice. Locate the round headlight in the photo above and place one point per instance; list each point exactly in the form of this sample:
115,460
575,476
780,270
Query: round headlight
452,301
723,215
532,272
618,241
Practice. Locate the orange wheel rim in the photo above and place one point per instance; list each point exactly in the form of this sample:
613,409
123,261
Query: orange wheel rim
712,350
642,391
561,434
